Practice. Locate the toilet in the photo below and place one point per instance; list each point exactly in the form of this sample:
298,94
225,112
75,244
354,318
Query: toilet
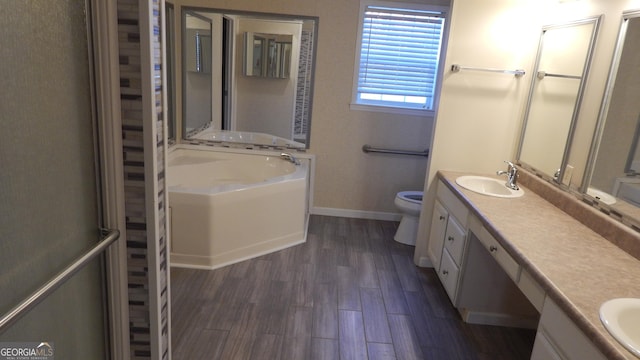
410,204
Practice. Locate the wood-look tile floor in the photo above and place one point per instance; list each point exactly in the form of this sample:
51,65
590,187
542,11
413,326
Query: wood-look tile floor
349,292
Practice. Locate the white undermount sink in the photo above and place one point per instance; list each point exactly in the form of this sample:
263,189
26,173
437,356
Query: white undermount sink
621,317
488,186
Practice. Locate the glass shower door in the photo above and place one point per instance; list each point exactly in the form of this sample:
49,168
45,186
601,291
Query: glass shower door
49,203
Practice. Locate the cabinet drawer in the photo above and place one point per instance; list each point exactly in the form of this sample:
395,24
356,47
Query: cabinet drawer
455,239
448,274
503,258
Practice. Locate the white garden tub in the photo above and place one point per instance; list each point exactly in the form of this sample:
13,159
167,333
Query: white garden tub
227,207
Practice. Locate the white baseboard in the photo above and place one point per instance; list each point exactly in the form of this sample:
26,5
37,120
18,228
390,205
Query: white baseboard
359,214
425,262
483,318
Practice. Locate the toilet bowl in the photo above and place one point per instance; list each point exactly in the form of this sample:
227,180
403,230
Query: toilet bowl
410,204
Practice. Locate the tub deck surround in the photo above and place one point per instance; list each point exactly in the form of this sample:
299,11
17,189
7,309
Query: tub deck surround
577,267
228,207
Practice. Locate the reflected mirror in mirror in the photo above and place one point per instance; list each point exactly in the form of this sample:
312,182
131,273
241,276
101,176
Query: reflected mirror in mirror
615,155
262,69
562,63
267,55
197,79
171,71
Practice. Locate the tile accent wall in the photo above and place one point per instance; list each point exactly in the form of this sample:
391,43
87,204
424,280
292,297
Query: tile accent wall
303,93
146,249
232,145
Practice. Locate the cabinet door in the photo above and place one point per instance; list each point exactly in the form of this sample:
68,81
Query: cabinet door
543,350
455,238
436,234
565,336
448,275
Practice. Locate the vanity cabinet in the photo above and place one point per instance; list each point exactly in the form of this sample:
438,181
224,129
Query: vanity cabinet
559,338
490,280
478,275
448,238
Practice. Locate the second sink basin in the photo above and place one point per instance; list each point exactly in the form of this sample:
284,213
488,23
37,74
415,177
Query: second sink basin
488,186
621,317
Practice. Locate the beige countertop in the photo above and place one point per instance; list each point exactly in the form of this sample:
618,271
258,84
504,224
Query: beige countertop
577,267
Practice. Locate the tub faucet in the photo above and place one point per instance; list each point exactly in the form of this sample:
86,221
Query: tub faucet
512,175
290,158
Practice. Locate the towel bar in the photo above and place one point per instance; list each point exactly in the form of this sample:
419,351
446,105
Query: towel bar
370,149
517,72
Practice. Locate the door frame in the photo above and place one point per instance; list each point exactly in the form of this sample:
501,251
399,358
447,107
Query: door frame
104,50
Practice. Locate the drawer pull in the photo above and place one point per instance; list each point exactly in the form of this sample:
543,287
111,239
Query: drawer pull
450,238
445,272
441,217
493,248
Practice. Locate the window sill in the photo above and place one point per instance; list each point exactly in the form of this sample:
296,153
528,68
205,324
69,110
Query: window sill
392,110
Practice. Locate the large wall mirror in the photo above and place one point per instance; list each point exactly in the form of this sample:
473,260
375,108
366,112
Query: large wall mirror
271,95
561,67
615,154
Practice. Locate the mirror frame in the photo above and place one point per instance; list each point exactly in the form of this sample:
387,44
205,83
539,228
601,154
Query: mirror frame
261,15
596,20
606,99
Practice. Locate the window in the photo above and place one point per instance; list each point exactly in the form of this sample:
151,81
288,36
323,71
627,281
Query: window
398,57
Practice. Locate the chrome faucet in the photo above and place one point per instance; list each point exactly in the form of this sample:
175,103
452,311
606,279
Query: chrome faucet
512,175
290,158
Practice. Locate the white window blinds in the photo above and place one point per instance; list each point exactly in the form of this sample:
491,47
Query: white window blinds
399,57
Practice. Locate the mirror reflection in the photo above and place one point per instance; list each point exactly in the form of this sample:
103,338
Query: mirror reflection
258,78
562,62
197,75
267,55
616,163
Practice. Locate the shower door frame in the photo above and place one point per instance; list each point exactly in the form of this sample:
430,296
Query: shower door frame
102,35
106,83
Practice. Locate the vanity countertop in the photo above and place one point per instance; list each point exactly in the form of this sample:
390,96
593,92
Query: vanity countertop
578,268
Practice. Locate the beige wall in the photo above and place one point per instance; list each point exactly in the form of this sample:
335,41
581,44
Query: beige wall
503,33
346,178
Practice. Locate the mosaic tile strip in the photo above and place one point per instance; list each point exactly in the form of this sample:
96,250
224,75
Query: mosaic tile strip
232,145
138,257
303,91
161,203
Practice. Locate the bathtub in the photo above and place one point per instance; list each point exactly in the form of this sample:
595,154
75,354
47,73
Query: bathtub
245,137
226,207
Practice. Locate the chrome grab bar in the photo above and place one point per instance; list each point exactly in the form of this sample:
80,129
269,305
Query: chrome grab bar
45,290
542,74
517,72
368,149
